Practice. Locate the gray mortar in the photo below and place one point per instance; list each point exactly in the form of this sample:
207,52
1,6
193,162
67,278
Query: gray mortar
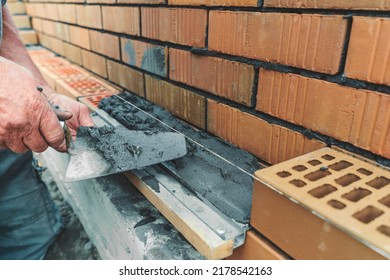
212,179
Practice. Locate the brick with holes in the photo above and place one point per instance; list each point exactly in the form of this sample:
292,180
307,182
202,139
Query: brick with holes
324,205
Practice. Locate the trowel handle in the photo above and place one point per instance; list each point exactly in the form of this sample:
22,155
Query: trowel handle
68,135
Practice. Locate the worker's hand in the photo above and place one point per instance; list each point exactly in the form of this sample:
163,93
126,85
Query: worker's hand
27,121
80,112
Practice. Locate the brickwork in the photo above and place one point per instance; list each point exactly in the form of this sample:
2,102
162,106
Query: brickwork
278,78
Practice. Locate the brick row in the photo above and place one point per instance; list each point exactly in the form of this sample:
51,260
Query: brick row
270,142
146,56
242,3
360,117
182,103
313,42
330,4
232,80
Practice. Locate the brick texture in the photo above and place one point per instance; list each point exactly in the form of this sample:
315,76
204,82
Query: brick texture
249,3
67,13
181,26
147,2
269,142
146,56
369,50
73,53
126,77
90,16
80,36
360,117
182,103
313,42
94,63
330,4
121,19
229,79
105,44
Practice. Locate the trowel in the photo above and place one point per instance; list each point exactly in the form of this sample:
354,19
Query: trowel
101,151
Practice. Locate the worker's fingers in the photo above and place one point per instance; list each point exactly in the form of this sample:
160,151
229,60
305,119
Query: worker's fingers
62,115
35,142
84,116
17,146
52,130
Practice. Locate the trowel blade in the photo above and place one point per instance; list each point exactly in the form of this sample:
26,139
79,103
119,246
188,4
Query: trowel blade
99,152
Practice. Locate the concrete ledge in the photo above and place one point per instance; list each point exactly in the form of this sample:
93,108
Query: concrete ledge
110,208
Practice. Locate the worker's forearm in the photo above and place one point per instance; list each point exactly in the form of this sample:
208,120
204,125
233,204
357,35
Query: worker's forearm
12,47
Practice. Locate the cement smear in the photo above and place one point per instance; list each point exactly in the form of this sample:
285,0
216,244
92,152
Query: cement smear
214,180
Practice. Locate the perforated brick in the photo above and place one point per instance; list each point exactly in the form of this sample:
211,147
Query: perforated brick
351,194
84,86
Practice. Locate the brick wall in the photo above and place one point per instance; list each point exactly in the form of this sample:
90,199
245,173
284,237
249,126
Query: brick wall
278,78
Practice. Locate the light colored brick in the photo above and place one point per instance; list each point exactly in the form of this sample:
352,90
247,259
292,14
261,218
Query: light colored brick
37,24
146,56
243,3
51,11
62,31
73,53
181,26
270,142
57,46
29,37
182,103
146,2
313,42
16,8
360,117
90,16
80,37
121,19
330,4
229,79
101,1
94,63
368,55
44,40
48,27
22,21
105,44
67,13
126,77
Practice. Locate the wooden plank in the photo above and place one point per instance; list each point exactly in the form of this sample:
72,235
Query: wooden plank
204,239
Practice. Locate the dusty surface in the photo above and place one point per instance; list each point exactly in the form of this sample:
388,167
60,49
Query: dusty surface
72,243
215,181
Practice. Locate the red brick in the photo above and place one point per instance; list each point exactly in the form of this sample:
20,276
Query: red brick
229,79
83,87
244,3
330,4
368,56
90,16
182,103
181,26
270,142
67,13
80,37
360,117
146,56
94,63
126,77
105,44
121,19
257,247
313,42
